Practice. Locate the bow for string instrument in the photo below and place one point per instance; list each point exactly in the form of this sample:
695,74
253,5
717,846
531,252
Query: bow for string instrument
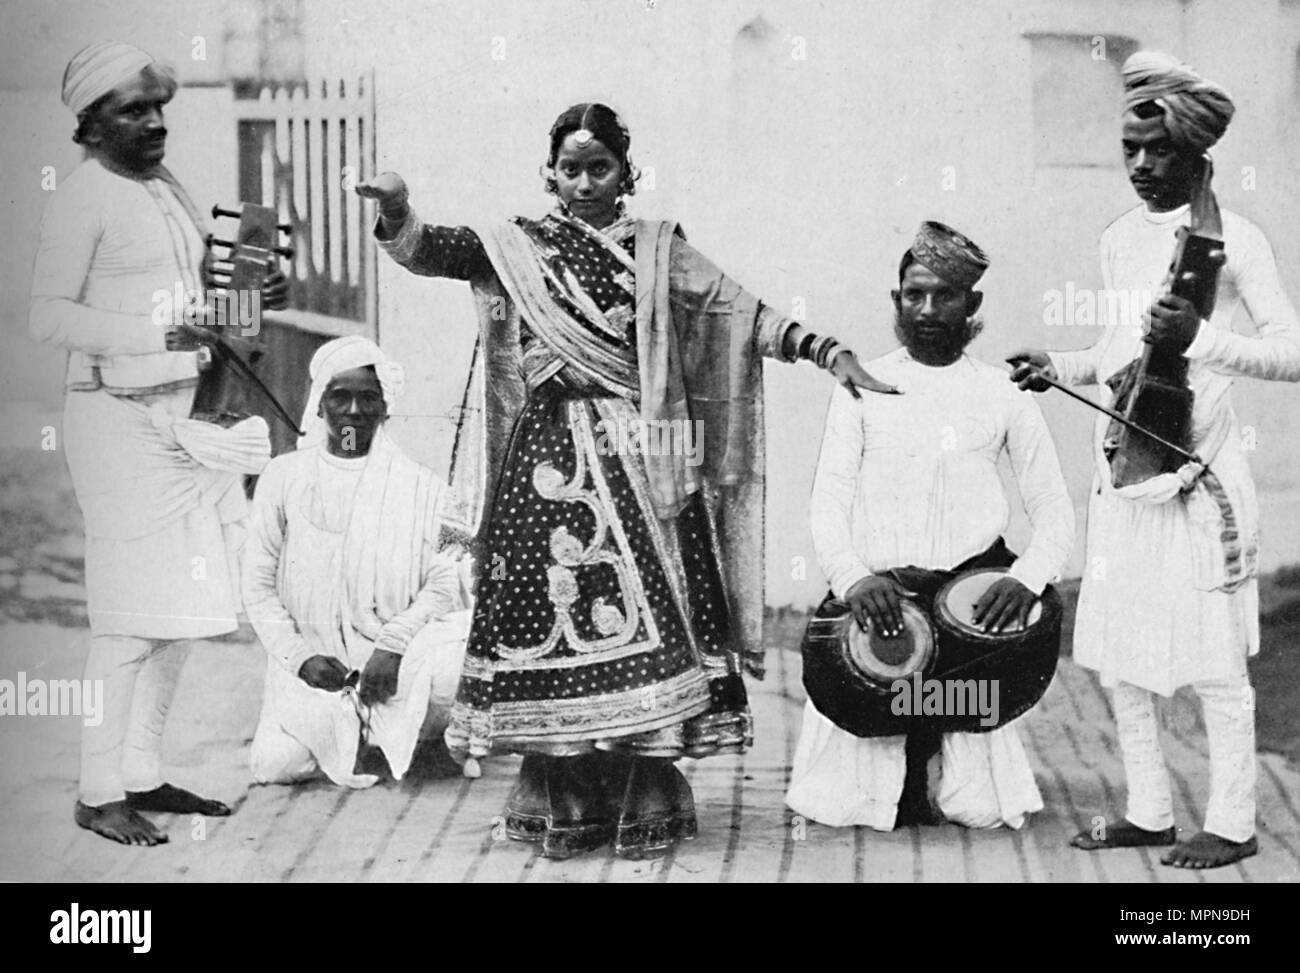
227,376
1151,421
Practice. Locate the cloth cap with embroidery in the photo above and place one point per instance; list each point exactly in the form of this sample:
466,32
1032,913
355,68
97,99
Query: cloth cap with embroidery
951,255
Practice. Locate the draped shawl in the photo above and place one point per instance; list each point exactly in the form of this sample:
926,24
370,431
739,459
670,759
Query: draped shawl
697,360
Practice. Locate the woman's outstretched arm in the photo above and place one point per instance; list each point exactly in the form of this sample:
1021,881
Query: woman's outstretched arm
699,285
431,251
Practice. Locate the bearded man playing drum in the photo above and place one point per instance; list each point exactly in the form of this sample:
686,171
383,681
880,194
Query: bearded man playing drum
1178,601
912,481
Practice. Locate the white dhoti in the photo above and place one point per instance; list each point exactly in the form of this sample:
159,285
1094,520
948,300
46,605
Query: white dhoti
344,560
162,535
163,502
303,730
843,780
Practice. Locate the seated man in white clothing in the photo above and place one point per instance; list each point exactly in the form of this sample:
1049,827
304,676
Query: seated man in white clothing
912,481
363,617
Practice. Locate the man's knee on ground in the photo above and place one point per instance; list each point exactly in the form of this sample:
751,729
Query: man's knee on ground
277,758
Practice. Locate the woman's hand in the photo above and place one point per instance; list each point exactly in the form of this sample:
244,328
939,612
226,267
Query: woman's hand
853,376
389,190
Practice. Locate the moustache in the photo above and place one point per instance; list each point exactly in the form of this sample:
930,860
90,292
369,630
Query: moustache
937,334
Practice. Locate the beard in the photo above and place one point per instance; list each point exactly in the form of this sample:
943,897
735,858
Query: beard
946,346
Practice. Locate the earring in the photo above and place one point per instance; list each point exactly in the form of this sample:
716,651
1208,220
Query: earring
630,176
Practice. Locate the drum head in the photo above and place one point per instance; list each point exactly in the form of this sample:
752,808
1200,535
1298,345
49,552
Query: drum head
956,600
880,660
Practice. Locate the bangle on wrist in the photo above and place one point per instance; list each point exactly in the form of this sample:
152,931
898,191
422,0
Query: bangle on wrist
829,353
821,349
802,351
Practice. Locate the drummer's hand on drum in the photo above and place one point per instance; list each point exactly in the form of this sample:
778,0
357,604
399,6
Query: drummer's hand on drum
1006,604
1026,363
874,603
389,190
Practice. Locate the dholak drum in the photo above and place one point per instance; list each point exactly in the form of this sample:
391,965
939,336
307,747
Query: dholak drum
852,677
850,674
1021,660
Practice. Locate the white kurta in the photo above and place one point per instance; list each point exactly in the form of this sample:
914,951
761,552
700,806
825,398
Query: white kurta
110,246
912,480
162,524
1154,610
309,549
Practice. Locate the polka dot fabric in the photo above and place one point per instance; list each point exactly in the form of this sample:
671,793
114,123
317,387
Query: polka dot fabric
514,608
457,252
452,251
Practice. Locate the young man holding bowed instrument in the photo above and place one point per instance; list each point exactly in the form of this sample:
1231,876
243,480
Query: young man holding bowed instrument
1174,600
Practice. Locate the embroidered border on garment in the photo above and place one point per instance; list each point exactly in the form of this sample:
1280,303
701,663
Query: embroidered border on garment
571,555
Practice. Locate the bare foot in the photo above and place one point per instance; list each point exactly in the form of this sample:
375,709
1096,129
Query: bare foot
175,800
1206,850
119,823
1122,834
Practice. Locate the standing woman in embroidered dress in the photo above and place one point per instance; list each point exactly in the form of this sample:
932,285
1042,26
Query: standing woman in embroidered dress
620,542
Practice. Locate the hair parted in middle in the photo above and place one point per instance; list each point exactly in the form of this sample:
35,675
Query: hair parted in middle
606,127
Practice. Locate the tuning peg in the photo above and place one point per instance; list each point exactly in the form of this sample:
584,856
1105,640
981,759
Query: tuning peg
217,211
285,252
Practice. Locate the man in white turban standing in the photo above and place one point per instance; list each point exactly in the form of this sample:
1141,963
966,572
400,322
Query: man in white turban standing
362,611
161,494
1173,599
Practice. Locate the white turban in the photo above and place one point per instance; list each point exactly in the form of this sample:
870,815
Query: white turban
98,68
338,356
1197,112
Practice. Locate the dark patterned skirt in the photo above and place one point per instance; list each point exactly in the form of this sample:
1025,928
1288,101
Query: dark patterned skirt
600,644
